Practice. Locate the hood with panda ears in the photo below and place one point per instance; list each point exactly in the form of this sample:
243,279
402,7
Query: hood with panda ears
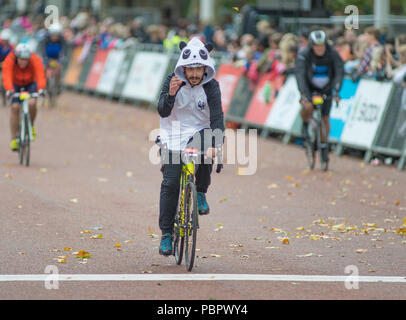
195,52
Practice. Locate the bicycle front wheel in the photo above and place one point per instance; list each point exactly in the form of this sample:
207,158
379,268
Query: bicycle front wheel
179,241
311,145
27,142
191,221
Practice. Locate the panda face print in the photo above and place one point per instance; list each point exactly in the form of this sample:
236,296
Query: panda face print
201,104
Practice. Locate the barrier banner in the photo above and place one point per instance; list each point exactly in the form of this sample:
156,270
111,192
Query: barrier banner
124,69
241,99
263,99
339,114
392,136
96,69
86,59
146,75
74,68
228,77
369,106
110,72
286,108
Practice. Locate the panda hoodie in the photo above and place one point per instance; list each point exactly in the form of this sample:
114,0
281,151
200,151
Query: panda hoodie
192,109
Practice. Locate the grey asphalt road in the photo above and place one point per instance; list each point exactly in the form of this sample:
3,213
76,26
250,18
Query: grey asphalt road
92,187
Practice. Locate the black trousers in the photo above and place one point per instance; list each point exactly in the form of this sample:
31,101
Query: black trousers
170,185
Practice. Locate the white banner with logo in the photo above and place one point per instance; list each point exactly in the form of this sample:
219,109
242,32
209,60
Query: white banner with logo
366,114
286,107
146,76
111,71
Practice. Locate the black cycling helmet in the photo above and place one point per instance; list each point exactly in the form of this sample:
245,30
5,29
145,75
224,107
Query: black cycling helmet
317,37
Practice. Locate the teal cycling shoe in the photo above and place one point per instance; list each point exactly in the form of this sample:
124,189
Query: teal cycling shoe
202,204
165,247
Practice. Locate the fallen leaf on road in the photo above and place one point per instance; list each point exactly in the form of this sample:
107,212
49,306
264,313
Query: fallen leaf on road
83,255
273,186
74,200
117,245
85,231
67,249
339,227
361,251
97,236
401,231
305,255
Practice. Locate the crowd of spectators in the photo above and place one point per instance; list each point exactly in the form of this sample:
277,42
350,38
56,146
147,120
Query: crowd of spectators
366,53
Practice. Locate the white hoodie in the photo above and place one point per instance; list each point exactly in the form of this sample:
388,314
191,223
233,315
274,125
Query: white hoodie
190,110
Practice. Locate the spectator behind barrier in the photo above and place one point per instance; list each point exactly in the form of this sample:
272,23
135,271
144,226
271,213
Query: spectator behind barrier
372,36
399,73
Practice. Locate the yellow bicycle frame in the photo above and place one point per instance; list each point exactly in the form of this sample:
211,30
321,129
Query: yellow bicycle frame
187,170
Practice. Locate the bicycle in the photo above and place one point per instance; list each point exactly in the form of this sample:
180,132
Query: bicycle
25,135
187,217
316,130
52,87
3,92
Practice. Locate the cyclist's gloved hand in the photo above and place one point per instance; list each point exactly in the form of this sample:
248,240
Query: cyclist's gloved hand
9,93
42,92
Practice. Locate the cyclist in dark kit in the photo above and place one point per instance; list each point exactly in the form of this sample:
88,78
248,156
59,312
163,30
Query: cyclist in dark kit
319,71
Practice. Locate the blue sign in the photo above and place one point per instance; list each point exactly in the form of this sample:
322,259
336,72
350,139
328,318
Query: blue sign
339,114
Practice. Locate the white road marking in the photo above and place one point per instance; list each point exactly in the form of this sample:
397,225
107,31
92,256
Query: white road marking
197,277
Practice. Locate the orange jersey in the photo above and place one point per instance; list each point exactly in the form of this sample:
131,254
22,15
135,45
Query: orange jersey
14,75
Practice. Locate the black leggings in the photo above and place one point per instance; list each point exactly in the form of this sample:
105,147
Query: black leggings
170,187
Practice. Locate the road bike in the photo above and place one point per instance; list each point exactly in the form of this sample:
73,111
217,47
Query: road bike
316,130
25,134
187,217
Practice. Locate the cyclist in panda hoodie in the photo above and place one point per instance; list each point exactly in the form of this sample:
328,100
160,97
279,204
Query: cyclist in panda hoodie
191,115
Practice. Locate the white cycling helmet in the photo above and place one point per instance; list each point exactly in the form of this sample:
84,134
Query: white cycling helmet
55,28
6,35
318,37
23,51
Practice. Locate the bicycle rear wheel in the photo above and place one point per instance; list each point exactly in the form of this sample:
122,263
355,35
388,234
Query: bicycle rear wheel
52,92
191,218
